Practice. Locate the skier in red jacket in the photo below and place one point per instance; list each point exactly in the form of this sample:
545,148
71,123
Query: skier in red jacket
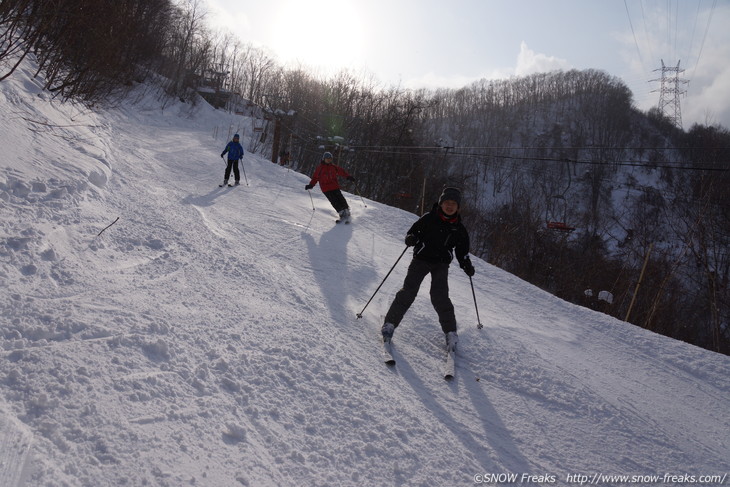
326,174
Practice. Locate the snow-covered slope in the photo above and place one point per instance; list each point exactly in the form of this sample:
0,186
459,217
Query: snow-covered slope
208,337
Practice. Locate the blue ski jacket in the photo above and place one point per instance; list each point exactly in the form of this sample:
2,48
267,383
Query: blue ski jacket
234,150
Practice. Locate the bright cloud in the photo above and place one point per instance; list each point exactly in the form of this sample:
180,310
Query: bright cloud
530,62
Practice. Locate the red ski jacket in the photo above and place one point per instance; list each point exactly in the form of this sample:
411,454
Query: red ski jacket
326,175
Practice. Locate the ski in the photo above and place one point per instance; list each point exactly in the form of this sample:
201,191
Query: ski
449,365
388,353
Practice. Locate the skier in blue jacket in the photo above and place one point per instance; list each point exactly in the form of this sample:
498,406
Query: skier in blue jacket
235,154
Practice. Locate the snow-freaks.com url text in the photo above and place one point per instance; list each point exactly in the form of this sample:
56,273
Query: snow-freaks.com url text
599,479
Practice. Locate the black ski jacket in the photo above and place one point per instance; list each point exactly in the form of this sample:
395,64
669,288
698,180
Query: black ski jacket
439,237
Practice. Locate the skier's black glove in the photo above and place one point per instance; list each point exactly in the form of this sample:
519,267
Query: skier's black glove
467,267
308,187
411,240
223,154
351,179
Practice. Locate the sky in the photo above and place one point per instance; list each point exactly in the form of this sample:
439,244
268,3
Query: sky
432,43
157,330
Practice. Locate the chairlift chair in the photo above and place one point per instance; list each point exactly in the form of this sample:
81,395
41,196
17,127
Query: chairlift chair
560,227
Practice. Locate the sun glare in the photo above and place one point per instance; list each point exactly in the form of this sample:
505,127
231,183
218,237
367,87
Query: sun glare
324,34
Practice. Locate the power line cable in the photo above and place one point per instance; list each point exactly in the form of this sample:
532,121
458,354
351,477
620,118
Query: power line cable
704,37
676,28
646,32
631,24
669,24
694,30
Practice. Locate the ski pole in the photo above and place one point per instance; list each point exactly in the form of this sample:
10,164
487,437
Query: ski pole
244,172
359,315
312,199
479,322
358,193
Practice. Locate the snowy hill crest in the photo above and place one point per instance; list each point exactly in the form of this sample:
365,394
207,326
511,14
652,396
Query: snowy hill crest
209,336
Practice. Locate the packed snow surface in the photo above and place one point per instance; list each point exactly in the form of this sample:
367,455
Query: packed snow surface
209,337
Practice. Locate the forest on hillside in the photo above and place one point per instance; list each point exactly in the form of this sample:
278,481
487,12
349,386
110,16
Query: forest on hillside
567,185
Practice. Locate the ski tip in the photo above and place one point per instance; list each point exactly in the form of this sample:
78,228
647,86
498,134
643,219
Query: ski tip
448,377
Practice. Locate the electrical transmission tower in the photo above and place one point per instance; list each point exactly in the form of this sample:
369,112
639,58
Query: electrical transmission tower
670,91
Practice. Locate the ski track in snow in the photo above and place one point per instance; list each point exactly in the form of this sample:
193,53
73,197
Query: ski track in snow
209,336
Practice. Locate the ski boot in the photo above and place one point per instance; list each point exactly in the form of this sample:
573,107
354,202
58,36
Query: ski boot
451,340
387,331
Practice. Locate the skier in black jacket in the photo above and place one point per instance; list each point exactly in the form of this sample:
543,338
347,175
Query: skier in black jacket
435,238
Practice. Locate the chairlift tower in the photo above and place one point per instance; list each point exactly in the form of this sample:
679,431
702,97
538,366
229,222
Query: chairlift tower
669,92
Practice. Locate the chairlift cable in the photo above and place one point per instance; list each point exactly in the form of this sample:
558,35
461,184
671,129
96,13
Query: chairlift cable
626,163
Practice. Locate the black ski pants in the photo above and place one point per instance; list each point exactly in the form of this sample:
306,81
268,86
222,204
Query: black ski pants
417,271
337,199
232,164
